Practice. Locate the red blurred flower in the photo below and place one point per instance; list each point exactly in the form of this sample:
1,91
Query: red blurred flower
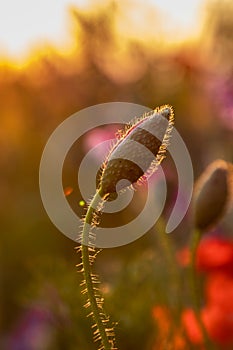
218,323
165,326
191,326
219,290
215,254
183,257
162,317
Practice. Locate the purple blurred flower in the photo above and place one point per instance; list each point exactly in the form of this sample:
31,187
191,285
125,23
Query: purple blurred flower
33,331
97,137
221,91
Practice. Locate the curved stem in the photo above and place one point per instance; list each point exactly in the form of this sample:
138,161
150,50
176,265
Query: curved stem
94,301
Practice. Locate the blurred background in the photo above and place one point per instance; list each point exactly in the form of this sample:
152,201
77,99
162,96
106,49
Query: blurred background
57,58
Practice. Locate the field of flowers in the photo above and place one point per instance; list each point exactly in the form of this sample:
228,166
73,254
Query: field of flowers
162,291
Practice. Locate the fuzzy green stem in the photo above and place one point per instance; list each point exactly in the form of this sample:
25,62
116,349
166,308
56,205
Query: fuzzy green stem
87,272
196,236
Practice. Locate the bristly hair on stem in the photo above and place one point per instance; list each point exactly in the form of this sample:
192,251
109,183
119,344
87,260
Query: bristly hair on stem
102,328
152,131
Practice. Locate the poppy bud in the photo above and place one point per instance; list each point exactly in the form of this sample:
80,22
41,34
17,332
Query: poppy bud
129,160
213,194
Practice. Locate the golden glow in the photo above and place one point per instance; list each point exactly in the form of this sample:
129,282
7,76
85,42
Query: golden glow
26,25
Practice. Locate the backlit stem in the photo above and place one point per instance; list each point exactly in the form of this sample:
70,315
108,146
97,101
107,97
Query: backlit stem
87,272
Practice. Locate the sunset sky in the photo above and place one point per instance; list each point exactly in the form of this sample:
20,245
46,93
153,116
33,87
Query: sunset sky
25,23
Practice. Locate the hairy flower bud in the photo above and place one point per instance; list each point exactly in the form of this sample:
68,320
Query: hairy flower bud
137,151
213,194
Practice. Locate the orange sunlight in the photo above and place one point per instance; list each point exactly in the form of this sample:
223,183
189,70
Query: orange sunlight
28,28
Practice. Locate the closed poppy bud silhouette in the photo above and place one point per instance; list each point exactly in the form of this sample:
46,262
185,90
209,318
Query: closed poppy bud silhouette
129,159
213,194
